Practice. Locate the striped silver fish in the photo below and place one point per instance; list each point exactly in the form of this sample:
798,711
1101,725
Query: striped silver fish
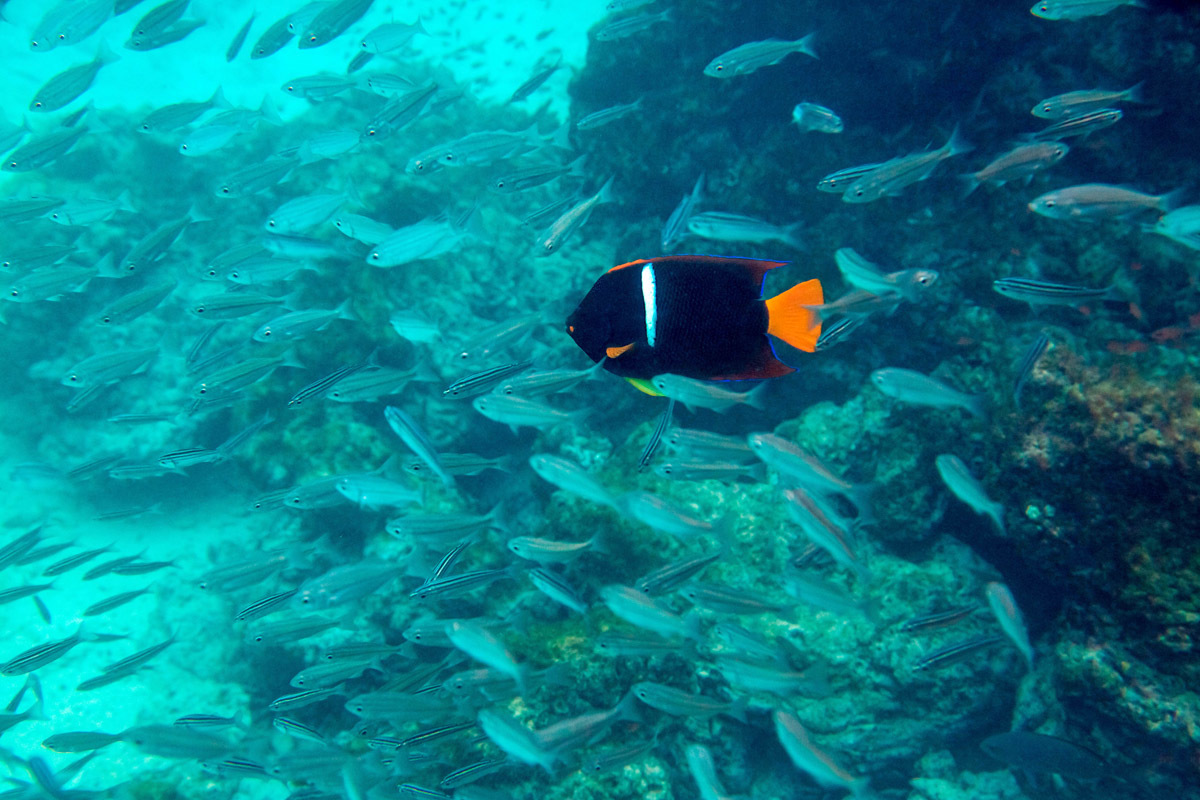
652,444
557,589
483,381
415,438
1047,293
321,386
40,655
1082,125
455,585
838,182
957,651
938,619
1027,363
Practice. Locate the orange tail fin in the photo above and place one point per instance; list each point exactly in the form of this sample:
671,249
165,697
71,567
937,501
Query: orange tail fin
789,320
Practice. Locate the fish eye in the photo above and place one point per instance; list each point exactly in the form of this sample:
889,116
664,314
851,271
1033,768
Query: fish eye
106,319
183,146
1050,204
1047,107
267,332
14,293
270,223
720,67
71,378
199,309
203,390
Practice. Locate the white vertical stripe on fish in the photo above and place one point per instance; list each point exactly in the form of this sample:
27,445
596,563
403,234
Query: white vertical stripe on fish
650,301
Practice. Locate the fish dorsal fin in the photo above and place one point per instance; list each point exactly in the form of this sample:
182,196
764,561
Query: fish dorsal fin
614,352
630,264
643,385
788,318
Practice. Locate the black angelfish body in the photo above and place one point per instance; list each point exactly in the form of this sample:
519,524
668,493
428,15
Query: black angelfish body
701,317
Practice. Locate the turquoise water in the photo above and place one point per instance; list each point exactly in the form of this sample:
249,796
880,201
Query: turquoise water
301,396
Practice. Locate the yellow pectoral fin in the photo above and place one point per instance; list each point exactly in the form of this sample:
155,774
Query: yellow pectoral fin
643,385
614,352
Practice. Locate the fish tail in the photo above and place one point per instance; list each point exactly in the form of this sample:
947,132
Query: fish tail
997,514
754,397
605,195
789,319
1134,93
977,405
805,45
791,236
969,184
346,310
1171,200
958,143
860,495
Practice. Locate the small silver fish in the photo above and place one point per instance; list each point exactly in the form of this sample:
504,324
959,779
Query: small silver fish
548,551
679,703
1019,163
862,274
517,412
414,436
571,478
69,84
966,487
651,510
332,21
607,115
914,387
722,226
1083,124
747,58
303,213
300,323
551,239
391,36
838,182
1101,201
695,393
628,26
819,765
1046,293
1078,9
892,176
639,610
675,228
1072,104
1004,606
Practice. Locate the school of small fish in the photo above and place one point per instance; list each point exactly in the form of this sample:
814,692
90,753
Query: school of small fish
400,607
